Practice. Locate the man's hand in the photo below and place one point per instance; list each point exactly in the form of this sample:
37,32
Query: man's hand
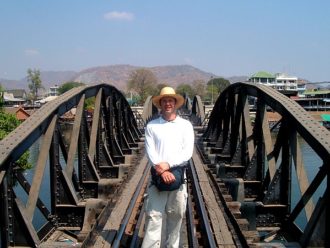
161,167
167,177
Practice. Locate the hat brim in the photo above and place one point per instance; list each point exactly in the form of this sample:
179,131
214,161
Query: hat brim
179,100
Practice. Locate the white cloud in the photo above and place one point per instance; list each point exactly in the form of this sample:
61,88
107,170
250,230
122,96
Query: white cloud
115,15
31,52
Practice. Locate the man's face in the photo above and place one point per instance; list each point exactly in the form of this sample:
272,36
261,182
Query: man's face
167,104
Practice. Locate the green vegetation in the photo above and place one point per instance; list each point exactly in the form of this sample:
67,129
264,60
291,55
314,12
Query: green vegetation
90,103
2,101
35,83
185,90
142,82
68,86
214,88
199,88
8,123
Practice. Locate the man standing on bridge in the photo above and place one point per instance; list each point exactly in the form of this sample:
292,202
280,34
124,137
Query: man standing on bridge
169,142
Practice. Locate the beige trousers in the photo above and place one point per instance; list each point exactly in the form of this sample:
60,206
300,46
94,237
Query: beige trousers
164,213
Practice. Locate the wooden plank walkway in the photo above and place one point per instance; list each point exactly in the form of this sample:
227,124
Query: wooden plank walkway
117,214
221,231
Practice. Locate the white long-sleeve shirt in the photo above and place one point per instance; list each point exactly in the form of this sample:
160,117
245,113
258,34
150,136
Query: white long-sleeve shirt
169,141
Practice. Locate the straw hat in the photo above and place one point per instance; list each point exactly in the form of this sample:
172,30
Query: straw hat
168,92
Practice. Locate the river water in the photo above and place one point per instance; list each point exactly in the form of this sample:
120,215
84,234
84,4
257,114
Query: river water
312,164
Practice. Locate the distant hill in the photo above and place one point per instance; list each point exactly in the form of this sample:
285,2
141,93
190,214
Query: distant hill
319,85
12,84
236,79
48,78
116,75
51,77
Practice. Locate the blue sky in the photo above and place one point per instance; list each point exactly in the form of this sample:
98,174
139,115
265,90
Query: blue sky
227,38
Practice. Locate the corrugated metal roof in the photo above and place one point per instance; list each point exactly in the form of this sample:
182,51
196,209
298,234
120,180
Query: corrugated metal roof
18,93
9,97
262,74
317,92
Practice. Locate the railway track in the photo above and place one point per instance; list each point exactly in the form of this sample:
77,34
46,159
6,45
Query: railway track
204,225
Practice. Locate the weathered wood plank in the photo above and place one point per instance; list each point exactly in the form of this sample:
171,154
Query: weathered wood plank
221,231
120,209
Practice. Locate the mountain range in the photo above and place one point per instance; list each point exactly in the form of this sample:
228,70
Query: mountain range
118,75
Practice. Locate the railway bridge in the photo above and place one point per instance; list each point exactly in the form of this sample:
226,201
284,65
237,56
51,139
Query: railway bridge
250,181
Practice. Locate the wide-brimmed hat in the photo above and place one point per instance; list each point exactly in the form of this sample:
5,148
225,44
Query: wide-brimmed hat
168,92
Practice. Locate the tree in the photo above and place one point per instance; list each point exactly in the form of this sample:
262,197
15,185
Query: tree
159,87
142,82
185,89
35,83
90,103
2,101
199,88
215,86
68,86
219,84
8,123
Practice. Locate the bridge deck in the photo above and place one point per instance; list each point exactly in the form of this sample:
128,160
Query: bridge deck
113,223
107,231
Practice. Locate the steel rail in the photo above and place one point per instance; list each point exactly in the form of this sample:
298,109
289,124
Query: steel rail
192,239
238,237
134,241
206,228
123,225
198,210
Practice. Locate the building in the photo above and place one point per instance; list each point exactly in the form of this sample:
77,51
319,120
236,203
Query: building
10,100
14,97
315,100
53,91
282,82
262,77
285,82
301,88
18,93
20,113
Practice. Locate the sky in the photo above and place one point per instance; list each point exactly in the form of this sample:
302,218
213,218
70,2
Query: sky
226,38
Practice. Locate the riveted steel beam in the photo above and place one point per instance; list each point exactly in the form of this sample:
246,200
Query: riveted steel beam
76,146
268,157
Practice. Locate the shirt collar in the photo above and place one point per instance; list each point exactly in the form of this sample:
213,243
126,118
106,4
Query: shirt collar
162,120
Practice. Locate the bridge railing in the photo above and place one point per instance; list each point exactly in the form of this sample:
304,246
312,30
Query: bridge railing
77,170
282,193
